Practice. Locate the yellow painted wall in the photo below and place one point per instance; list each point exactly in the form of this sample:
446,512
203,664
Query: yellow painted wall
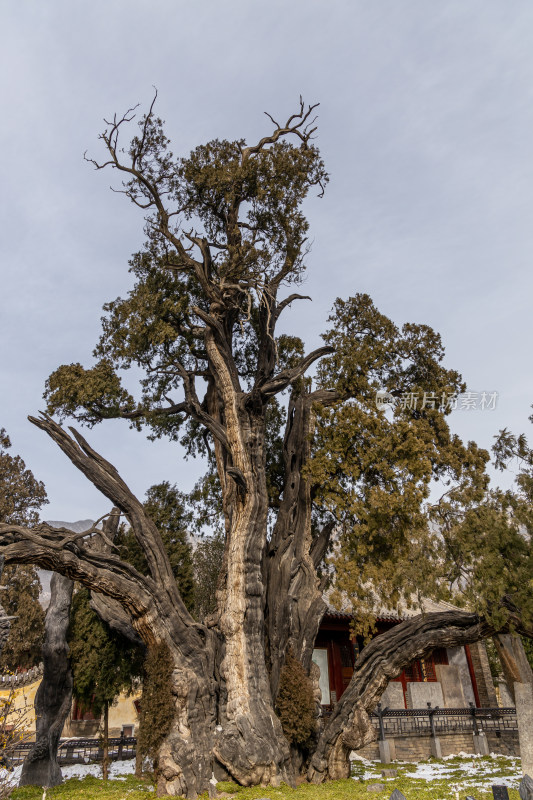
23,706
121,713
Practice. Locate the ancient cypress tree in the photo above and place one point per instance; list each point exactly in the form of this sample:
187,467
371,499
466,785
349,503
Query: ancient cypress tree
223,261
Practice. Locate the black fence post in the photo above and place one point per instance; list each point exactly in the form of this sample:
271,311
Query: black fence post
381,725
474,718
431,712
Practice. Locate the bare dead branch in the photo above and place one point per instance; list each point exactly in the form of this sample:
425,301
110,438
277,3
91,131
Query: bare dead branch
288,300
46,547
298,124
170,410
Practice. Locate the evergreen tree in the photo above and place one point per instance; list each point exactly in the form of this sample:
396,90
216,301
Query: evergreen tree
103,662
166,506
22,649
295,704
207,559
155,718
21,496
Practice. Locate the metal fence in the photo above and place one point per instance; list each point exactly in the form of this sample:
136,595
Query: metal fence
390,722
404,722
83,751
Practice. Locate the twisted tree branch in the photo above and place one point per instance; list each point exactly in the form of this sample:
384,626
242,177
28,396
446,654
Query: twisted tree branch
380,661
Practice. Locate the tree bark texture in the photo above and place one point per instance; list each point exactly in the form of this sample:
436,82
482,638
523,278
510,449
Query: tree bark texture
516,668
54,695
294,592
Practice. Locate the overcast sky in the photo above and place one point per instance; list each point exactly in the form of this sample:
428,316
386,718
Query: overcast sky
426,126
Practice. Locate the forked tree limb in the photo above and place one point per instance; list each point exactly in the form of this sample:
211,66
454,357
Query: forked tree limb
108,609
286,377
152,602
104,476
298,124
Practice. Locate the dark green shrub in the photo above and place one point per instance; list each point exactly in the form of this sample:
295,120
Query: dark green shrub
295,705
157,701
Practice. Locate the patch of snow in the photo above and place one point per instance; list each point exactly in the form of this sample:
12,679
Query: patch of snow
355,757
117,771
469,773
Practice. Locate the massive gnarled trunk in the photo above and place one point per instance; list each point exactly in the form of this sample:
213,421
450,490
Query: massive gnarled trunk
224,714
249,742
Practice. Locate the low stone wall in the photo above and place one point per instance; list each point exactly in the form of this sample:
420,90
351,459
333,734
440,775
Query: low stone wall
506,743
417,747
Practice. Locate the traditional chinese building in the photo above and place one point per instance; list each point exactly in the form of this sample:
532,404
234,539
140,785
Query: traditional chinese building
450,677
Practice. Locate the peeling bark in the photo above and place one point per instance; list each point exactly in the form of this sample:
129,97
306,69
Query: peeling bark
294,602
516,668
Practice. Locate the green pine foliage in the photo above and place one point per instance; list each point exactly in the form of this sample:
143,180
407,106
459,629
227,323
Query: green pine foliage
22,649
21,497
373,469
207,560
167,508
295,704
494,660
103,662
